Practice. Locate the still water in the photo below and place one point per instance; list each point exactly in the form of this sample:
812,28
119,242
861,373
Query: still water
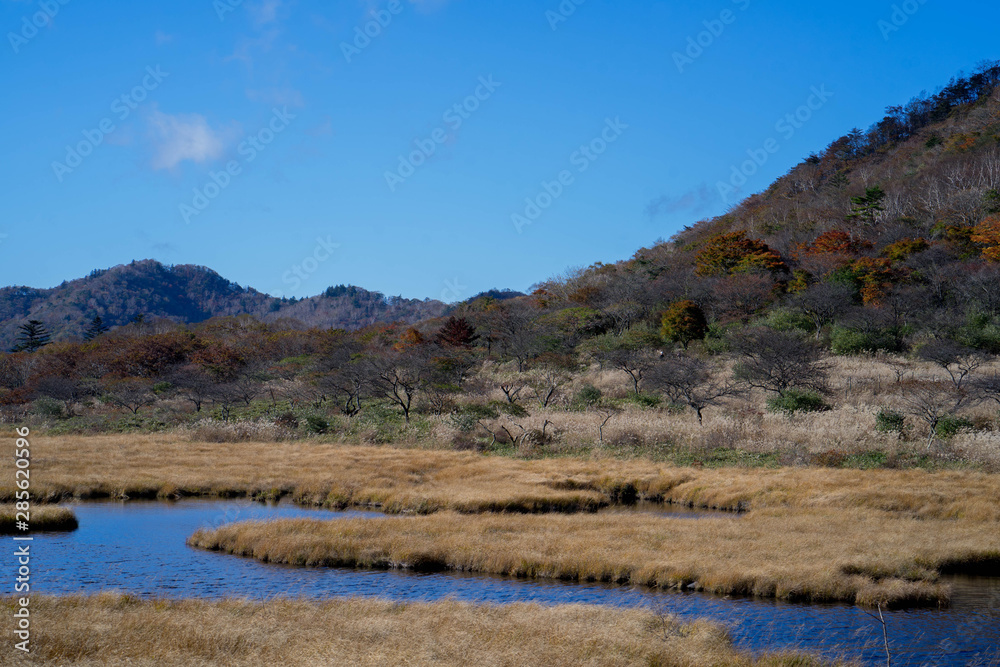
140,548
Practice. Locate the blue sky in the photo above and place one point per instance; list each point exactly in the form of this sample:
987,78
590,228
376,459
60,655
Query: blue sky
264,139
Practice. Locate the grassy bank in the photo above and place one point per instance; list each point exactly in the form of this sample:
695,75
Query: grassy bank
863,557
115,630
419,480
41,518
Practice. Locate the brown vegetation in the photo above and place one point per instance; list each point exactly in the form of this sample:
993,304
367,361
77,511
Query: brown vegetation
863,557
41,518
419,480
116,630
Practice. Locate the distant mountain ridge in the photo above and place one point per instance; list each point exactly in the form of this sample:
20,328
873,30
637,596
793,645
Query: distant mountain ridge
190,294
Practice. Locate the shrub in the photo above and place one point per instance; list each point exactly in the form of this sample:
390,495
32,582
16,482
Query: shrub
317,425
287,420
645,400
588,395
950,426
510,409
466,417
794,400
887,421
47,407
782,319
851,341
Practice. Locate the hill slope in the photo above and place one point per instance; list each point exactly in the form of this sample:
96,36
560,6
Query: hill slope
189,294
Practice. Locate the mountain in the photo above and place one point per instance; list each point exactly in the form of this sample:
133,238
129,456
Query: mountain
189,294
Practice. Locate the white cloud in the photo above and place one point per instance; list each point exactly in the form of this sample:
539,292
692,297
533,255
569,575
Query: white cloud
181,137
162,38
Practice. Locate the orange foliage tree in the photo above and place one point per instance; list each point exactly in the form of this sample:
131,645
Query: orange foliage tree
902,249
987,233
734,253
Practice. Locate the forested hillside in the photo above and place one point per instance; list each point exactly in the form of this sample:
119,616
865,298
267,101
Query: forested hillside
862,286
188,294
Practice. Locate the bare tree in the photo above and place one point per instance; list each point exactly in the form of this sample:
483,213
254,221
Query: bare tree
824,303
930,402
775,361
959,361
634,363
545,381
692,382
399,377
193,384
64,389
130,393
344,375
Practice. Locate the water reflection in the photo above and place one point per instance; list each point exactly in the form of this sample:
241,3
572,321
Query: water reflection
140,548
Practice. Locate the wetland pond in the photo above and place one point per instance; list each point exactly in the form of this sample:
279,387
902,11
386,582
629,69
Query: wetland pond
139,548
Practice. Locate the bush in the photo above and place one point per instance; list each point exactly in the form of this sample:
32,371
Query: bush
317,425
645,400
47,407
588,395
510,409
287,420
781,319
887,421
794,400
949,427
466,417
850,341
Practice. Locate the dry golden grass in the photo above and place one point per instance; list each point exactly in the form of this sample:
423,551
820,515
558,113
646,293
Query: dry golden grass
41,517
432,480
863,557
115,630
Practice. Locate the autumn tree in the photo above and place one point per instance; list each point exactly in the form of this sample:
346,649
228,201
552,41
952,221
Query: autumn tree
457,332
733,253
683,322
987,233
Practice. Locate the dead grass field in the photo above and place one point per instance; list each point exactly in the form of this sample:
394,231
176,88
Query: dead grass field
42,517
865,557
399,480
115,630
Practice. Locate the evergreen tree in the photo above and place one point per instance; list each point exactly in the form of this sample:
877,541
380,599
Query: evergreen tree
33,336
97,328
866,209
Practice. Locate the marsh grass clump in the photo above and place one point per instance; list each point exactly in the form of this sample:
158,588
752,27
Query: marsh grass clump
42,518
864,557
119,630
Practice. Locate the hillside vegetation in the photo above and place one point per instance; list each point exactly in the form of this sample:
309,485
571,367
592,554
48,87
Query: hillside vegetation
845,317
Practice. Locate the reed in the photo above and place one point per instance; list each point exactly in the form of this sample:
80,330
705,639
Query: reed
112,629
